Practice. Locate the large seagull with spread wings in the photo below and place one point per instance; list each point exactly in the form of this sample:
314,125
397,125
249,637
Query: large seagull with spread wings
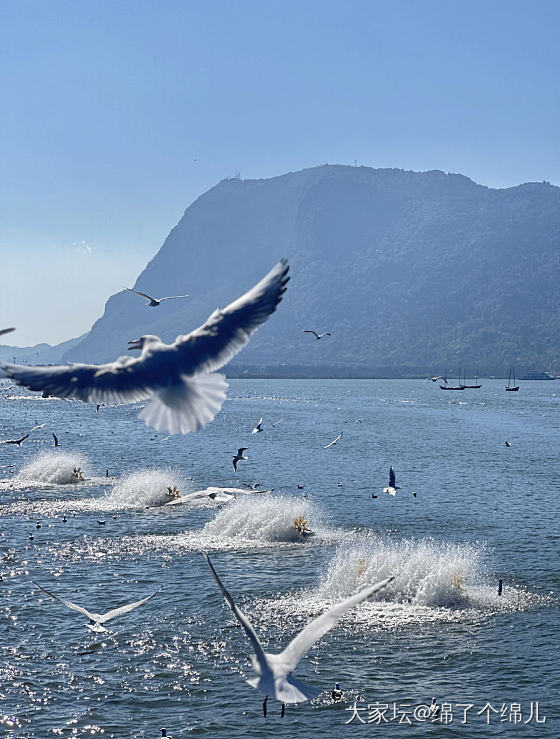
179,380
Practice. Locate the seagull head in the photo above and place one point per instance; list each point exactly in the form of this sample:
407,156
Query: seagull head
142,342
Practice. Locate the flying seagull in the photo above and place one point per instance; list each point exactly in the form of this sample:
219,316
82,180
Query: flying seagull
315,334
179,380
6,331
334,441
239,456
276,423
439,377
257,428
392,488
19,442
97,619
153,302
274,671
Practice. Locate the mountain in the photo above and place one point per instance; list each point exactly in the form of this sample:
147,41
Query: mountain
38,354
409,271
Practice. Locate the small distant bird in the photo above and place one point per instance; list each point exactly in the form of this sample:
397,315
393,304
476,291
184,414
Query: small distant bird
19,442
257,429
30,537
6,331
64,519
392,488
96,620
315,334
358,420
97,407
239,457
38,525
179,380
334,441
164,731
276,423
338,484
274,671
300,487
507,443
56,441
373,495
336,694
39,426
414,493
154,302
101,522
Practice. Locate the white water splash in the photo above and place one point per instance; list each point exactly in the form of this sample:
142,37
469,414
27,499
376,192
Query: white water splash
434,582
146,487
51,468
258,520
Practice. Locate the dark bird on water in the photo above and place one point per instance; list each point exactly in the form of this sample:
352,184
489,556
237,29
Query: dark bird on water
56,441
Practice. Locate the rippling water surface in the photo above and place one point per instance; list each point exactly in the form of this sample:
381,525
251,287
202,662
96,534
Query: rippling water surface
482,512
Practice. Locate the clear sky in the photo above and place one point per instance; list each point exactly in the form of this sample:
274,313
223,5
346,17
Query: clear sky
117,114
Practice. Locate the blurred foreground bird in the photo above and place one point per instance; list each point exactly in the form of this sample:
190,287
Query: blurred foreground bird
179,380
274,671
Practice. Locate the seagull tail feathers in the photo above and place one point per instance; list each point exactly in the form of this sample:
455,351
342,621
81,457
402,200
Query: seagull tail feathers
188,406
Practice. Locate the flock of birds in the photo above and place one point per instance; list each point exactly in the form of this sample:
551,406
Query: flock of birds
184,393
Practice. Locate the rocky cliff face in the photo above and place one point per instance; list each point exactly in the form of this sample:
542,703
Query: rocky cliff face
426,270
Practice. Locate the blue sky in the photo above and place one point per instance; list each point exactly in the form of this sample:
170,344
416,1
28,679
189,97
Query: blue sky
117,115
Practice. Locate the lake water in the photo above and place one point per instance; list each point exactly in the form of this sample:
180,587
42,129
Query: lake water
483,512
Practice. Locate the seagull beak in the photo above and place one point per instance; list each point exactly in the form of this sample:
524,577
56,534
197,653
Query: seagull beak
136,344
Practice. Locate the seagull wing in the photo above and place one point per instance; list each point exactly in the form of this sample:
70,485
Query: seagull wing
301,644
6,331
242,618
142,295
241,450
172,297
333,442
121,381
228,330
308,331
69,604
125,609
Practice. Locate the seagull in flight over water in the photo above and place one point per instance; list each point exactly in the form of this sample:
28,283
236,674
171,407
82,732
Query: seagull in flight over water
19,442
239,456
315,334
96,620
334,441
179,380
274,671
392,489
257,429
153,302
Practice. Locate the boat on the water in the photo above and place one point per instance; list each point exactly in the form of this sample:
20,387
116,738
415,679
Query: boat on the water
538,376
476,386
511,386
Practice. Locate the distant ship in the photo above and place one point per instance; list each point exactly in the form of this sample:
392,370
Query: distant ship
460,386
472,387
538,376
511,386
